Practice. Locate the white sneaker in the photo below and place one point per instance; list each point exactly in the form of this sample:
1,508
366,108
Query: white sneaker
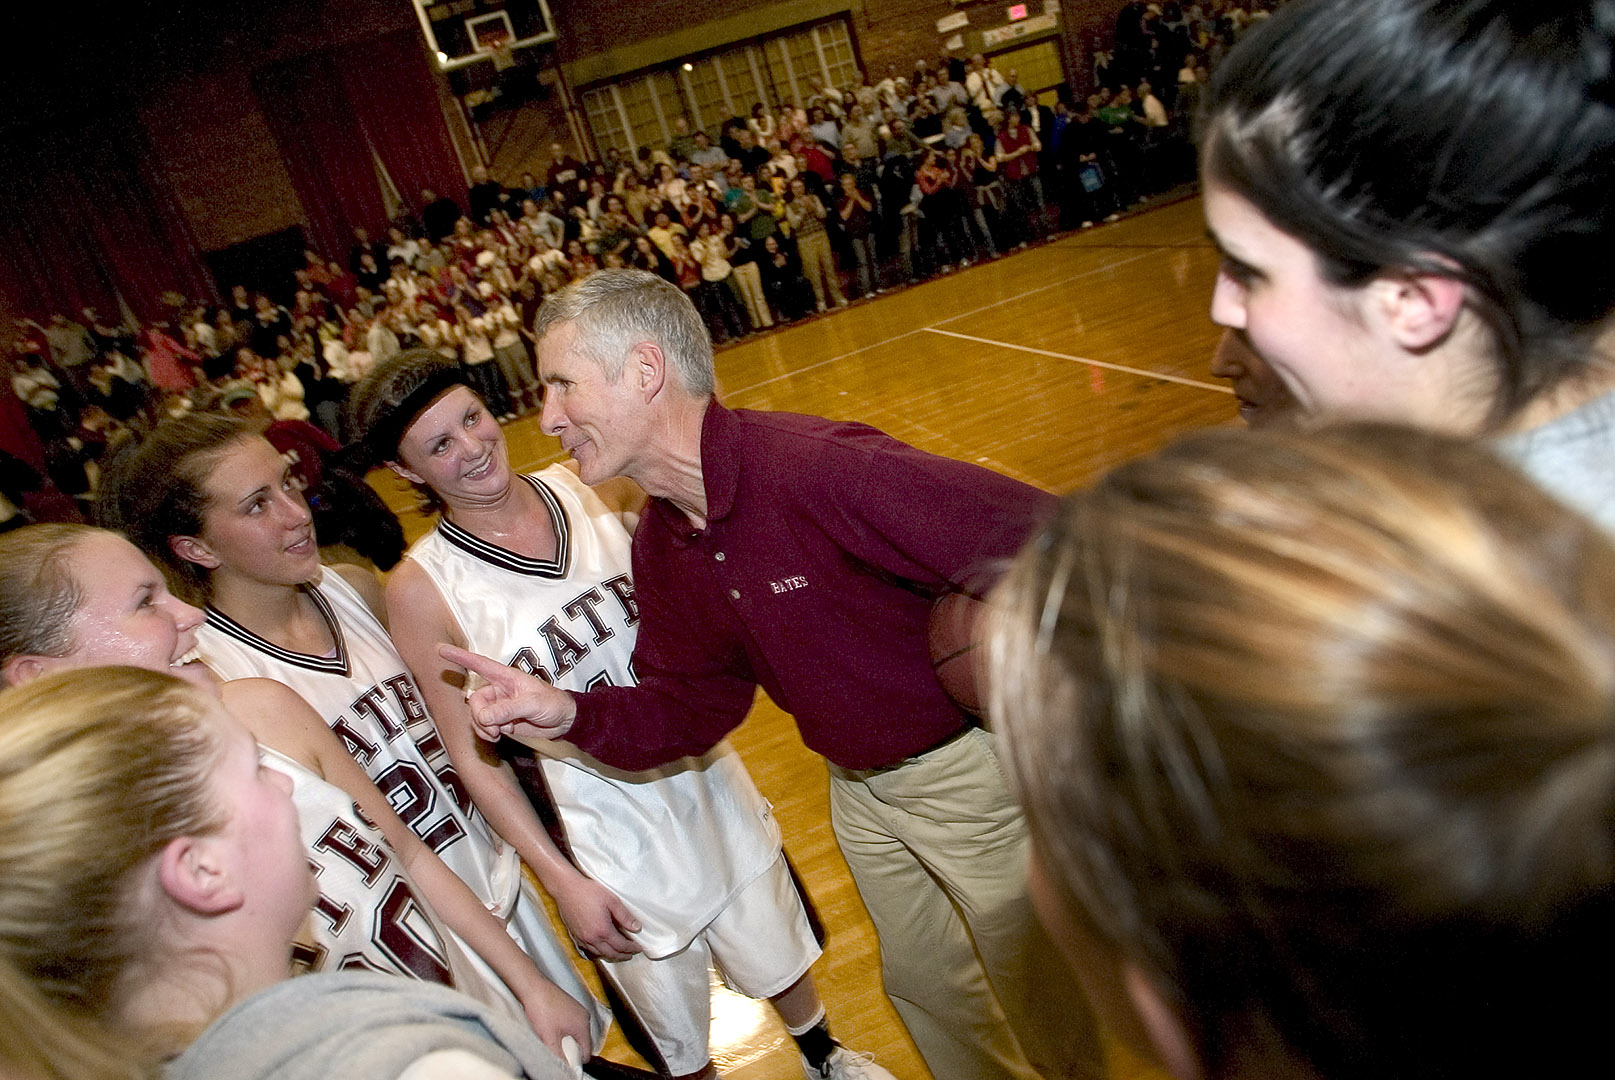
844,1064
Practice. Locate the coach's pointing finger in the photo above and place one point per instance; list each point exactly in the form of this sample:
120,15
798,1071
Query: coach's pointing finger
512,702
492,671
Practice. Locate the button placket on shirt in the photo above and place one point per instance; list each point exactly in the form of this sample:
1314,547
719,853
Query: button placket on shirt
718,556
734,594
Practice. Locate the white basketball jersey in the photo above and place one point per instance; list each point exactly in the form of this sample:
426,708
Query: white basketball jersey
370,915
369,699
367,696
675,844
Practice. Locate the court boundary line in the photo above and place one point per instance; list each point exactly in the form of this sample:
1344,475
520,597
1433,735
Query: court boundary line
934,328
1045,288
1180,379
951,318
828,360
1187,245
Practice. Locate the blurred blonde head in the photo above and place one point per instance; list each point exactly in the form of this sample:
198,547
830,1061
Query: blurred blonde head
1316,743
99,770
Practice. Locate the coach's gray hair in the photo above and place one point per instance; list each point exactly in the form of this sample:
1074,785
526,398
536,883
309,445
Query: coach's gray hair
614,310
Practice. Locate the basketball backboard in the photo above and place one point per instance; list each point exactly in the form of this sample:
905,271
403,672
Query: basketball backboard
464,32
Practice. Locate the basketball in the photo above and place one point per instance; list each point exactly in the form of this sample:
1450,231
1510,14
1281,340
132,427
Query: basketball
953,642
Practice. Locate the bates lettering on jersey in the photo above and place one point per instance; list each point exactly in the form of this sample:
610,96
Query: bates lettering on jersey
567,644
403,933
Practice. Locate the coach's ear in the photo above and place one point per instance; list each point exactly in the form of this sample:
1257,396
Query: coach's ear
647,367
24,667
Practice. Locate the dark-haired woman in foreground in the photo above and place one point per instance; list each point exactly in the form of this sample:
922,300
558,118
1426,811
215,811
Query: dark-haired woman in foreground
1412,200
1316,738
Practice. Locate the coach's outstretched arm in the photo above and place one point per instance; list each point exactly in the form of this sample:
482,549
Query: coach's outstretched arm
511,702
667,715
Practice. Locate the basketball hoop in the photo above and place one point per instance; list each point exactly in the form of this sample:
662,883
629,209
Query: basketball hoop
499,48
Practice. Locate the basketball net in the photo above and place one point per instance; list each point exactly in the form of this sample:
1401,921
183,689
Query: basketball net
501,52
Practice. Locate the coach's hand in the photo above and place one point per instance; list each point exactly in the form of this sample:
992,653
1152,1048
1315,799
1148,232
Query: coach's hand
512,702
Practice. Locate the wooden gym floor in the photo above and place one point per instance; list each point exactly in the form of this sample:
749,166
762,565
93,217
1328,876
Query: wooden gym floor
1050,365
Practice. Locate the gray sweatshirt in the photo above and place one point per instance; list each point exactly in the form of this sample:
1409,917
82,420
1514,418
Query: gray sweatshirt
1573,457
358,1026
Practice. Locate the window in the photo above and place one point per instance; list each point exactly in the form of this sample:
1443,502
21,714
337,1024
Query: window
1039,66
743,71
704,90
605,119
835,46
639,110
644,121
794,60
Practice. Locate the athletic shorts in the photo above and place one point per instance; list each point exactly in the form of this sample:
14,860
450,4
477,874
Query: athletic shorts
760,943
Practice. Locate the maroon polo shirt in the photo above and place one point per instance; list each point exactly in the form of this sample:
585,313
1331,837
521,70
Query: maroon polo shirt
826,543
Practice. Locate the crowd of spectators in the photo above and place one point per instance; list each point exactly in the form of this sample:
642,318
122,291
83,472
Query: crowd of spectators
769,218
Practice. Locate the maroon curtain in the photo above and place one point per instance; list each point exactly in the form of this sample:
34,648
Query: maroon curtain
390,87
85,214
323,147
17,436
88,217
331,111
49,263
138,225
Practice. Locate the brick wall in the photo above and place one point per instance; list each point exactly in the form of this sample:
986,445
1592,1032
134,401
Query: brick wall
198,112
626,34
213,144
587,27
899,32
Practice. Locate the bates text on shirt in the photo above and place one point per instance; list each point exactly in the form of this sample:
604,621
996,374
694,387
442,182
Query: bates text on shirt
787,584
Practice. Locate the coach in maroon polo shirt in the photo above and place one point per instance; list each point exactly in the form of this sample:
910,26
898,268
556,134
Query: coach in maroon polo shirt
802,555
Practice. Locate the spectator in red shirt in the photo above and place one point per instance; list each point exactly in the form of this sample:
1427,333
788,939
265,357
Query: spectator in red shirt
1018,147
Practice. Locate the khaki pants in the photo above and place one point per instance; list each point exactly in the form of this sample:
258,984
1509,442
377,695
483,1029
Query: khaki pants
749,280
938,850
820,268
